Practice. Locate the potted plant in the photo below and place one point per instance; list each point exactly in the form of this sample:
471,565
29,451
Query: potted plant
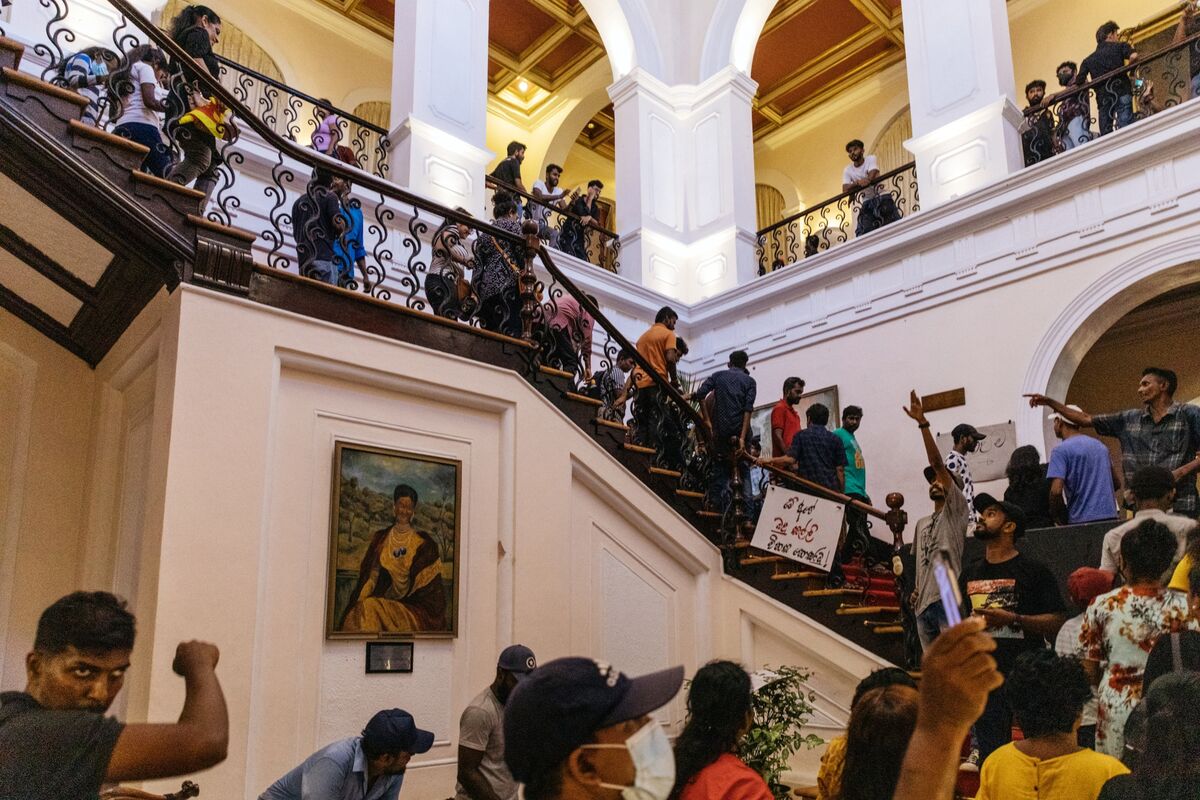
782,706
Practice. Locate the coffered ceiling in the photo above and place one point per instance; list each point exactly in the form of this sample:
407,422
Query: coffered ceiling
808,52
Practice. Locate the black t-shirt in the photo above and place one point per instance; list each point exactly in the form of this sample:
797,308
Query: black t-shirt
1021,585
1034,500
508,170
52,755
1107,57
196,43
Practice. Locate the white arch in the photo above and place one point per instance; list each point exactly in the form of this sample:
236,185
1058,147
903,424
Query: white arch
1096,309
593,101
733,35
627,30
782,183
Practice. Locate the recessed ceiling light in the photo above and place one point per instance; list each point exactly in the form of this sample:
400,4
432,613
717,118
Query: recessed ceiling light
591,124
522,85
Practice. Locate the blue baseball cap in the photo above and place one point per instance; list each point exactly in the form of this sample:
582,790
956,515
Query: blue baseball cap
562,703
394,730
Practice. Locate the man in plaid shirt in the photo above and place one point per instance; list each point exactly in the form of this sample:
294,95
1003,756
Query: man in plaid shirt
1162,433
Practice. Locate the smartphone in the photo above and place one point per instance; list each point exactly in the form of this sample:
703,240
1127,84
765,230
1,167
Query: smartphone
947,583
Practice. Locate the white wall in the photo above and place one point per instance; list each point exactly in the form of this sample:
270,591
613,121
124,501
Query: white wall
563,549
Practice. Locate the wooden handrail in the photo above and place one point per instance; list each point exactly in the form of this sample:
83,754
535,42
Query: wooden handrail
213,86
591,308
815,488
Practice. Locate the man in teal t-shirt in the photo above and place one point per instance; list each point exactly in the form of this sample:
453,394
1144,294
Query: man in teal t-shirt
856,469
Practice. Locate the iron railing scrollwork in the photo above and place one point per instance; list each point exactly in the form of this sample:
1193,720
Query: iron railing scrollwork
1157,81
563,229
892,196
298,116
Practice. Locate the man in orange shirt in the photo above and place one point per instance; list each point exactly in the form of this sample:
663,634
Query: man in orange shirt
785,422
659,347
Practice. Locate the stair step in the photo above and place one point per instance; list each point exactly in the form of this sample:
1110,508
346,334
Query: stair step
227,230
25,79
741,544
583,398
691,494
616,426
637,448
558,373
830,592
864,611
888,629
13,50
796,576
750,561
670,473
146,179
78,128
708,514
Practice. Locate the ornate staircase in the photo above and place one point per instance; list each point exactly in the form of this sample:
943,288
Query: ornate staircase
158,236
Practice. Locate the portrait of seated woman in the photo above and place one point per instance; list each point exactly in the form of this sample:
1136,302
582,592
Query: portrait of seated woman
400,581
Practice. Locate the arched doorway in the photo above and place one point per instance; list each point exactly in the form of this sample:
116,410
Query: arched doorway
1144,287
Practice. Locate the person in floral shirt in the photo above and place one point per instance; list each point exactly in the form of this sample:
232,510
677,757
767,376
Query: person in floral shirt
1120,628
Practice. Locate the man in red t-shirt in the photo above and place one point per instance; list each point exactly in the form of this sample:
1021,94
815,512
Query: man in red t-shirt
785,422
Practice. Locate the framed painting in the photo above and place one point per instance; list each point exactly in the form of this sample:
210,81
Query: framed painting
393,544
760,418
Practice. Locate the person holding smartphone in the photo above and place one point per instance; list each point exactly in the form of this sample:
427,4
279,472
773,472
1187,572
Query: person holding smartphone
942,532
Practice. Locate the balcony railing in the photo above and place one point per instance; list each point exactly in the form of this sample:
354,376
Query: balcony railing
564,230
1065,120
297,116
839,219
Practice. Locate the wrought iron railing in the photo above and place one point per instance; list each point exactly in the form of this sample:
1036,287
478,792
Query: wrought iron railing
1065,120
413,252
839,219
562,227
298,116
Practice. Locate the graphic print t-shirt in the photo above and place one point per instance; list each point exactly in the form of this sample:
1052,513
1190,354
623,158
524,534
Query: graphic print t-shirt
1020,585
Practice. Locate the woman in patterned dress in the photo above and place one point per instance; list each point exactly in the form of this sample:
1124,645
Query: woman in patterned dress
1120,628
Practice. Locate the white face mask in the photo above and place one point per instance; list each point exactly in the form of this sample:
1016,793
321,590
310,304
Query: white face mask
653,764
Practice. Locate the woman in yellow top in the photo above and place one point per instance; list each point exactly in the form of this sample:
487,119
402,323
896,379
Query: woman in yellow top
1047,693
399,586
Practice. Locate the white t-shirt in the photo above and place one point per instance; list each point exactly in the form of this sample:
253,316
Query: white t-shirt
541,212
134,108
852,173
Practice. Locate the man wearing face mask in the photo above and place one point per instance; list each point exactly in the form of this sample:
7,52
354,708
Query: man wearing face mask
482,773
1019,598
1074,111
578,729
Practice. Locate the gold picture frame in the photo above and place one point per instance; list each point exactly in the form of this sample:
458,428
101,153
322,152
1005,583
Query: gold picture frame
393,559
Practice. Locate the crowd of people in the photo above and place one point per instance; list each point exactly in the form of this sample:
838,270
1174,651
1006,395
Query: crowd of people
578,729
1063,121
564,218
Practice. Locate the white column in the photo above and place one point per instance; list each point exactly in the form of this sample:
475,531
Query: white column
685,183
962,95
439,100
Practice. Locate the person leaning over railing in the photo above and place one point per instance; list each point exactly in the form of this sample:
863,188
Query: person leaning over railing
573,238
1114,98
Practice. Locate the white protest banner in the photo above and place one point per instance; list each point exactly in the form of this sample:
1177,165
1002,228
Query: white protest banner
799,526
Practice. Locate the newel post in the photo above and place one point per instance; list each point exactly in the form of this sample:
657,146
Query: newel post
528,279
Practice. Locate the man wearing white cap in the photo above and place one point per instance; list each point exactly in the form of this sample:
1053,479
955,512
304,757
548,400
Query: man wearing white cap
1083,479
482,773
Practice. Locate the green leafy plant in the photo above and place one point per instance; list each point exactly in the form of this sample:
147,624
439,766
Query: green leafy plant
782,707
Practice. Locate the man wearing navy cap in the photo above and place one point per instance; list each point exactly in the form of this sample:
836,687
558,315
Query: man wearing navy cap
482,774
578,729
966,439
366,767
